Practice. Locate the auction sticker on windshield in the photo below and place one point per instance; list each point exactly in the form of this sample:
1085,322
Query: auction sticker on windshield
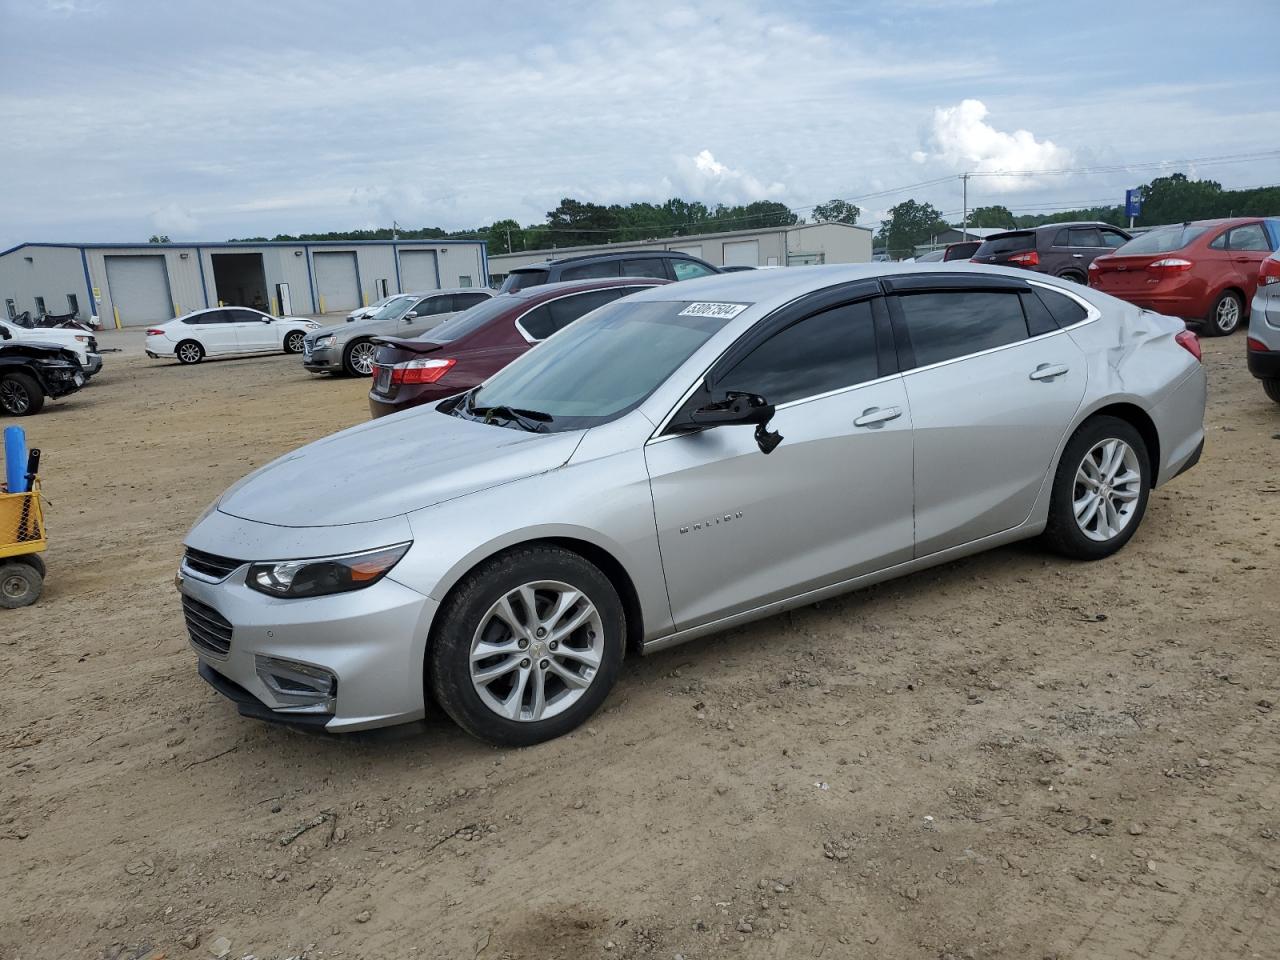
723,311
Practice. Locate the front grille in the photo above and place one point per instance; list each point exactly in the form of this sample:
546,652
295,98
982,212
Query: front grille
209,630
210,564
93,344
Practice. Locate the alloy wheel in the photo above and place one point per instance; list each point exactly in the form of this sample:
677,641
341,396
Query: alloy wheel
188,353
1108,484
1228,314
362,355
293,342
536,651
14,398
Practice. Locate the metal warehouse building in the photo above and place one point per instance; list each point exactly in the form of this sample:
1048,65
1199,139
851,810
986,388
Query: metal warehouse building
137,284
801,244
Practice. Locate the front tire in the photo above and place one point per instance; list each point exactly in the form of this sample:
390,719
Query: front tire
1225,316
189,352
1099,491
293,342
20,585
528,646
20,395
357,359
1272,389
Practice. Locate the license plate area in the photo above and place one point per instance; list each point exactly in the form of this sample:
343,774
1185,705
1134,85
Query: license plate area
382,379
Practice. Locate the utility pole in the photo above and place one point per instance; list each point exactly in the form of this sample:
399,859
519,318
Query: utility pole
395,227
509,250
964,193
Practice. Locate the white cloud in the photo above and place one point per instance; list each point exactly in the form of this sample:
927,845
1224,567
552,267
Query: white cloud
171,218
705,178
961,138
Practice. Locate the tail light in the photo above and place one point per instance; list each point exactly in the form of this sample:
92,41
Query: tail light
1029,259
1255,345
421,371
1189,342
1269,272
155,332
1169,266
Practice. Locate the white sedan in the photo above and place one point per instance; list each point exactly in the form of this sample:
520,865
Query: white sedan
223,331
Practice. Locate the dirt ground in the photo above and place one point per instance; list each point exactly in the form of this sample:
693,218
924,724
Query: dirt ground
1012,756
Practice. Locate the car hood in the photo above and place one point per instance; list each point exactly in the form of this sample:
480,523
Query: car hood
392,466
35,350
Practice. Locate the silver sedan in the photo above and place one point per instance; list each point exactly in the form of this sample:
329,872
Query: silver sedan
682,461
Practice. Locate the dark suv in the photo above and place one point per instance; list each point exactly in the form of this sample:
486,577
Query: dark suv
1059,249
662,264
29,372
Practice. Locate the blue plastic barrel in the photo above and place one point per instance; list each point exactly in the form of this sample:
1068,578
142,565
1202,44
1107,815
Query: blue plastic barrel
15,459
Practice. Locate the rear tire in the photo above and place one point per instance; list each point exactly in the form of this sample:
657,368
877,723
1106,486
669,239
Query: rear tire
357,359
1225,315
189,352
1074,277
1100,490
20,395
1272,388
560,659
20,585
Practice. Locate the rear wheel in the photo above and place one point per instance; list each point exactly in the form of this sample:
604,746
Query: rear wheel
20,585
1073,276
357,359
189,351
1226,314
528,647
293,342
20,395
1272,388
1100,490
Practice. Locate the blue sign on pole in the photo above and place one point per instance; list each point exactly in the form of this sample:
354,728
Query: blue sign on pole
1133,203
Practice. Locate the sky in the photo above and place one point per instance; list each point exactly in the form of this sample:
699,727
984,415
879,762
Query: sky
206,121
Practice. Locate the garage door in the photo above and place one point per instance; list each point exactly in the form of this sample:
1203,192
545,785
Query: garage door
744,253
418,270
139,289
336,281
694,251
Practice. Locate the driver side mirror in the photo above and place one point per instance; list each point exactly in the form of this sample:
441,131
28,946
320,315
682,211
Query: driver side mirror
268,319
411,315
5,334
736,408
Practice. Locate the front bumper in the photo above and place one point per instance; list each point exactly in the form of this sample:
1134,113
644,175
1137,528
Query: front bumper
93,364
322,359
373,641
1265,364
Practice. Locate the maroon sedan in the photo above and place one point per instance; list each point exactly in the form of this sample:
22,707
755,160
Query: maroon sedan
469,348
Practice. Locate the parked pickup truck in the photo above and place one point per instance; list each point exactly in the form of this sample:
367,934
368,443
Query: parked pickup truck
30,372
83,345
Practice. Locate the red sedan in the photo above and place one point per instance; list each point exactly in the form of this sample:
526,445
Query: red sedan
1203,270
469,348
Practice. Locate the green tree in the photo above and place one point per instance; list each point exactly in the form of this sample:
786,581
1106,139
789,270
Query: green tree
909,224
159,238
841,211
504,236
994,216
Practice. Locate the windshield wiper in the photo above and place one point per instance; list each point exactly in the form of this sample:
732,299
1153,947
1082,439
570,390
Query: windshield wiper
535,421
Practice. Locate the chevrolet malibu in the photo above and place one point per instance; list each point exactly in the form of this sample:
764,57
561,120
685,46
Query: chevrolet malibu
678,462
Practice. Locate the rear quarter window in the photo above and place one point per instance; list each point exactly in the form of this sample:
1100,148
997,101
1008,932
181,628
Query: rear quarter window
1062,308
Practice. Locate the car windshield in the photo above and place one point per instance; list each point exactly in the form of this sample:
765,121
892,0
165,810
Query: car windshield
1009,243
394,308
471,320
519,279
588,373
1164,240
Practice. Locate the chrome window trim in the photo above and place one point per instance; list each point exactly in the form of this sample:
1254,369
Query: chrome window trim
578,293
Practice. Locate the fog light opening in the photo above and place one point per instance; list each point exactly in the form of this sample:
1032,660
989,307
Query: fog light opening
299,686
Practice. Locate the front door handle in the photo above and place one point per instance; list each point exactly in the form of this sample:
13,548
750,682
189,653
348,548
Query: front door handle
1078,255
1047,371
874,416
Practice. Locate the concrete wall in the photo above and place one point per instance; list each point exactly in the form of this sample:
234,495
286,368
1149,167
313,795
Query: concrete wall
49,272
835,242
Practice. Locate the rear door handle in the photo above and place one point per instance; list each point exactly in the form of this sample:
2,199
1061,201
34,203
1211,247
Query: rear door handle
1047,371
874,416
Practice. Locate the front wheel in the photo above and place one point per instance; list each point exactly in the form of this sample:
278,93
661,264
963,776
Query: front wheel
20,585
1100,490
293,342
20,395
357,361
528,646
1225,316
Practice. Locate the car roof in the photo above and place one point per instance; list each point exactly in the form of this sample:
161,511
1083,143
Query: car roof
547,291
429,293
665,254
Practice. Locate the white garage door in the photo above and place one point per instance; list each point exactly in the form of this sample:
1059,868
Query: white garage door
743,253
139,289
417,270
336,281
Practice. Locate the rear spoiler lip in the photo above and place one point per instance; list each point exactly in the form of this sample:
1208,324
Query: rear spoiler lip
402,343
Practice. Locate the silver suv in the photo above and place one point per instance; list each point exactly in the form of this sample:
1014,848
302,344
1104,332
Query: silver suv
1264,328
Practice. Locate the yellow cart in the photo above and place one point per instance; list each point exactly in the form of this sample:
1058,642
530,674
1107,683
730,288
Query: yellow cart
22,540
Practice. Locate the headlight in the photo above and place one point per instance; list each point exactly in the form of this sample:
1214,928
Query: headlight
321,576
326,341
313,326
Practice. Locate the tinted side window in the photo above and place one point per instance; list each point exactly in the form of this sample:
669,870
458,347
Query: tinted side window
1065,310
651,267
1061,239
1248,237
828,351
569,309
590,271
464,301
1113,239
942,326
434,306
1084,237
1039,319
520,279
689,270
241,316
209,316
537,322
1219,242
